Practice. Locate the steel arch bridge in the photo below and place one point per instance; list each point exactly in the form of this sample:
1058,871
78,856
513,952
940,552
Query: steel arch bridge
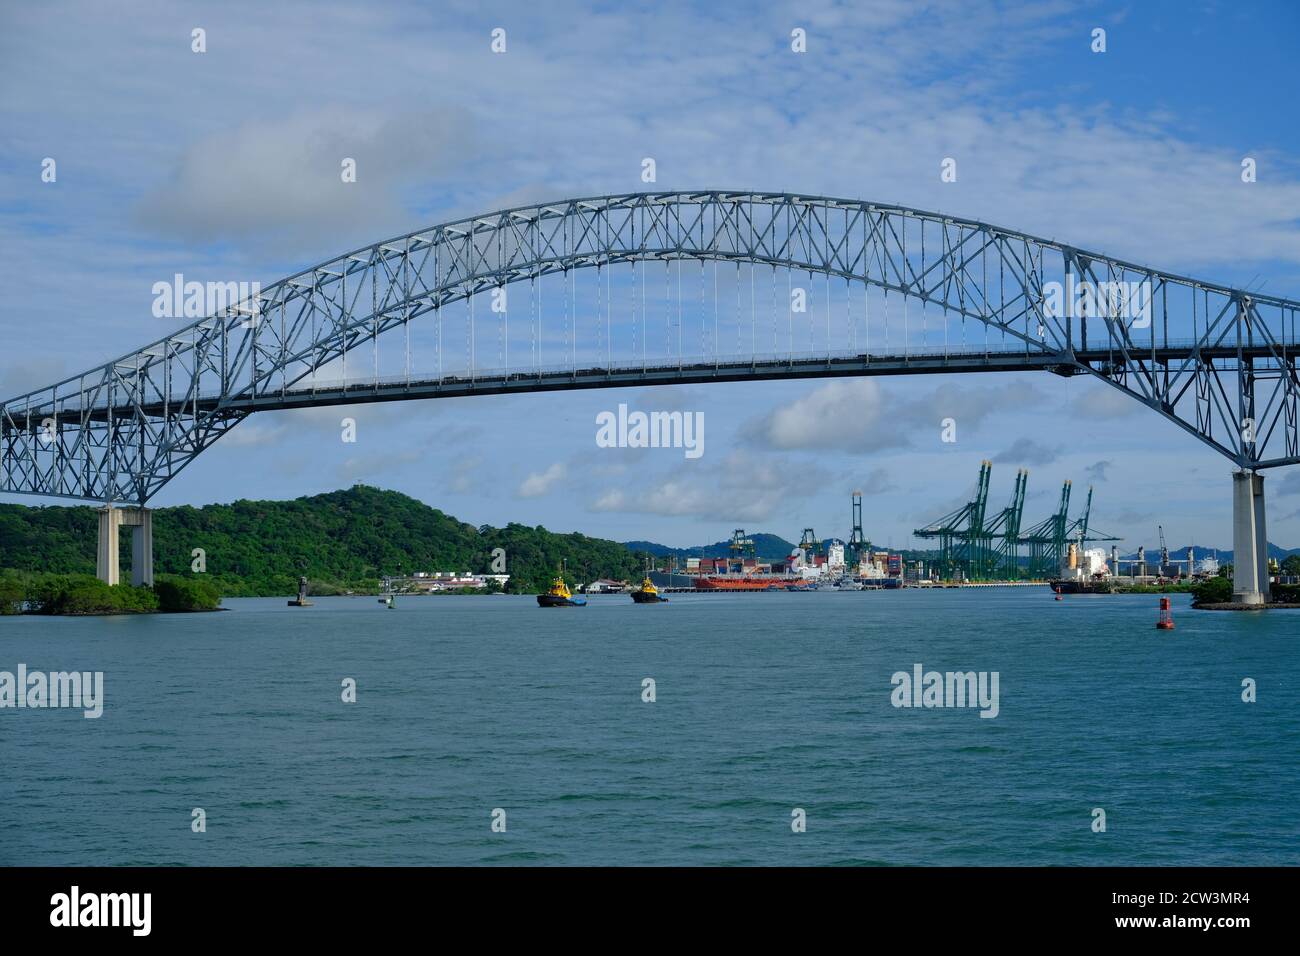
1218,362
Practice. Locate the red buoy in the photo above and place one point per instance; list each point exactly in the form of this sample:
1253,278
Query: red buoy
1058,593
1166,620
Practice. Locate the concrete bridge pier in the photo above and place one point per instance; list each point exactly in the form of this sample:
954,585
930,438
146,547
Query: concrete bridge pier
140,521
1249,539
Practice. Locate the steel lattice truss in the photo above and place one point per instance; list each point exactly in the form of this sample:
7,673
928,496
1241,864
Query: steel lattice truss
1217,361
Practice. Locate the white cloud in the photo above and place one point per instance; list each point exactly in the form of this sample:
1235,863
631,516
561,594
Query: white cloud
856,414
739,487
253,434
541,483
376,465
282,178
842,413
1102,401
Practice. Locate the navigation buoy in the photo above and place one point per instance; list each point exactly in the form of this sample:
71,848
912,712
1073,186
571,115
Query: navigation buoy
1166,620
1058,593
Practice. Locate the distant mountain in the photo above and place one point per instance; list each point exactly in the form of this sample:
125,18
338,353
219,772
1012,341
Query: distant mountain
1225,556
769,547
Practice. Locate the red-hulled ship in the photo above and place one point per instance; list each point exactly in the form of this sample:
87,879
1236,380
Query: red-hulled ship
741,582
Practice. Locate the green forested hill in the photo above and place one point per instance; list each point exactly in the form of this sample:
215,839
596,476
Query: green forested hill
344,540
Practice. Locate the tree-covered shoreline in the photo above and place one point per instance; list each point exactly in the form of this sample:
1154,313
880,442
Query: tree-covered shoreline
82,595
342,541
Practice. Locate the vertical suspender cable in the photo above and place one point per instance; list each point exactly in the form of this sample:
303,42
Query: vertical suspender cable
925,326
437,304
866,288
753,312
826,235
907,285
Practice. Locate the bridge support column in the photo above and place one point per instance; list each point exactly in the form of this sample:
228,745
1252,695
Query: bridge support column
106,568
142,547
140,521
1249,539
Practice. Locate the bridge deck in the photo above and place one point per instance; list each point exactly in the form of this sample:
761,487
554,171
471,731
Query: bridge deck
623,375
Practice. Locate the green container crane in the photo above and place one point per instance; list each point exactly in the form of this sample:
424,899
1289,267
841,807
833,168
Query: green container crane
1046,540
964,543
1080,530
740,547
1004,561
857,546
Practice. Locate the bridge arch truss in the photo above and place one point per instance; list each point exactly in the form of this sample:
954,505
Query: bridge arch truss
1219,362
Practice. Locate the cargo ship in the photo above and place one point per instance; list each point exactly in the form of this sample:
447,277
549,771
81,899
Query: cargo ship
1082,586
1083,572
741,582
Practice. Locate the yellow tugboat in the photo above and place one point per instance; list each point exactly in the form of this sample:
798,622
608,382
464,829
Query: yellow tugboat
560,596
648,593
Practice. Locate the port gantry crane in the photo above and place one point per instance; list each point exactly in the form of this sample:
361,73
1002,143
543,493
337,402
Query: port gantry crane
964,542
857,546
1048,539
983,549
809,544
1004,559
1081,530
740,547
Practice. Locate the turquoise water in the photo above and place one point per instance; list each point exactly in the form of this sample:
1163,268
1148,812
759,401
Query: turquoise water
765,703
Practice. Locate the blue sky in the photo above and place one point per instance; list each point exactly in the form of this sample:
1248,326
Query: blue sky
214,166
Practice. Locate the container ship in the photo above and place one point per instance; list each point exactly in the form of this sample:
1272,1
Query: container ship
803,570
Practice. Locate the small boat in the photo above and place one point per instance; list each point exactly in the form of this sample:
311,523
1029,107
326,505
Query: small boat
560,596
648,593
